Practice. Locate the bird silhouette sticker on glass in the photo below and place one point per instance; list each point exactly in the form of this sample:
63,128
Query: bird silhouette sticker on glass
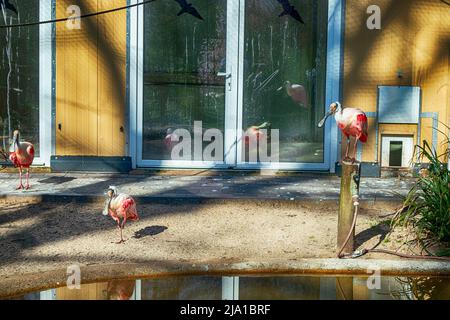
188,8
5,4
289,9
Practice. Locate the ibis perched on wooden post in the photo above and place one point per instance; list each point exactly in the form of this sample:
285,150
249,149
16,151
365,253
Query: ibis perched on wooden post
352,122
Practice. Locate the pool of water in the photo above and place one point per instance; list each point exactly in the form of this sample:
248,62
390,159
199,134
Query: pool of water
256,288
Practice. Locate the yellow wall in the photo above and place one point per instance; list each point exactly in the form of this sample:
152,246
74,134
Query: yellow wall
90,80
414,38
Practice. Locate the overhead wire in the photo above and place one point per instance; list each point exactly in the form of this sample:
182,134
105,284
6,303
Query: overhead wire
28,24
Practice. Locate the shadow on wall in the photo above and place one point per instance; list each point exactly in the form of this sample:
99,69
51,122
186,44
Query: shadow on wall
99,128
414,40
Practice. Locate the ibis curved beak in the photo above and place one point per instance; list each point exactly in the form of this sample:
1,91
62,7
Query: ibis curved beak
322,122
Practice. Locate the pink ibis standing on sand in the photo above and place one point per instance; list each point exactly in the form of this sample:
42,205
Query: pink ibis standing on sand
22,157
351,121
120,206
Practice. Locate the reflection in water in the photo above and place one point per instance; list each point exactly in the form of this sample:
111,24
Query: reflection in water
422,288
120,289
258,288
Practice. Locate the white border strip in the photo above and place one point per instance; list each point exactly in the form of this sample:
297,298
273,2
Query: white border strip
45,84
334,75
133,78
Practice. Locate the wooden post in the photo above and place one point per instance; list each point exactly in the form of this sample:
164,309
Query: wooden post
346,208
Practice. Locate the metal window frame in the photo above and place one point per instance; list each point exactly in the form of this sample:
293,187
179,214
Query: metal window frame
234,101
46,83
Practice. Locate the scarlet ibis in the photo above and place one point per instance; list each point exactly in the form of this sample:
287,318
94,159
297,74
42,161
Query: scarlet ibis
120,206
254,132
289,9
351,121
297,92
188,8
22,157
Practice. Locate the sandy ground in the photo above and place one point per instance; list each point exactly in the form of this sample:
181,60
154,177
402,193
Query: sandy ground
47,236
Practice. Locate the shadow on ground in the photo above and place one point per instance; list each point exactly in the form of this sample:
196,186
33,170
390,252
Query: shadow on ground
149,231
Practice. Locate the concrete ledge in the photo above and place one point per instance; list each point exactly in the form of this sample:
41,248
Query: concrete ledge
17,285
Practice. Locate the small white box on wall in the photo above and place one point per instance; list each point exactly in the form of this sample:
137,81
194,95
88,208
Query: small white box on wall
397,151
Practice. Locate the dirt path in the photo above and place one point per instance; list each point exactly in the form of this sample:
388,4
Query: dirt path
42,237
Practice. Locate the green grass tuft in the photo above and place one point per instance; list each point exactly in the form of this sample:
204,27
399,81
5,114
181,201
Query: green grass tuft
427,205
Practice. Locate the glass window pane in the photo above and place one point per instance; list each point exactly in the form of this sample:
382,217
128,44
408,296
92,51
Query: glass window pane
19,74
284,74
182,56
395,153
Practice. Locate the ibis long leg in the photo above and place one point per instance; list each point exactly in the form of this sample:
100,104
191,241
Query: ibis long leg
27,186
355,148
346,150
120,231
20,186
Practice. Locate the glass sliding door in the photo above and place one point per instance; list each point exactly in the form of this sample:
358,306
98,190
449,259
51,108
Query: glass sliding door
184,78
284,73
237,67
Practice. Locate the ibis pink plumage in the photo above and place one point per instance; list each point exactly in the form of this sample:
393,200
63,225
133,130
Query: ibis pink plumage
297,92
352,122
22,157
120,206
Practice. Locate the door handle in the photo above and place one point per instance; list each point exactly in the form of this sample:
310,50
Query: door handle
227,76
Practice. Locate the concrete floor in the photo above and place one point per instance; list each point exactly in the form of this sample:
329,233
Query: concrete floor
203,184
187,219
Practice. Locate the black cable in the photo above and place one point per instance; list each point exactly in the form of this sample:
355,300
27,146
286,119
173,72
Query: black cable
363,252
78,17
